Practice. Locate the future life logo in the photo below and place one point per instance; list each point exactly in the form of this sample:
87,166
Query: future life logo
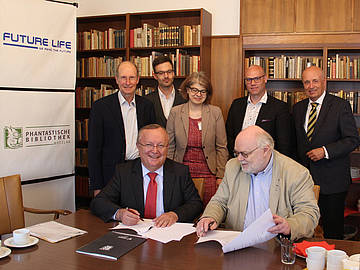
35,42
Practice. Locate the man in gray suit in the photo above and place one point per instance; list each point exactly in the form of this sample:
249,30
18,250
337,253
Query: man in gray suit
165,96
258,179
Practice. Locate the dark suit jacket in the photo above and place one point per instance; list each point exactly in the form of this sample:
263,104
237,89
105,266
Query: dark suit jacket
274,118
336,130
126,190
107,145
159,114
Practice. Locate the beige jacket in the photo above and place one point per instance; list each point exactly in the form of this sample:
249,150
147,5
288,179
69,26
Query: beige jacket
213,136
291,197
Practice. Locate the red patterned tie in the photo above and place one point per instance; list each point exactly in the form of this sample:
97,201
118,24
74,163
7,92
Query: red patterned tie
150,205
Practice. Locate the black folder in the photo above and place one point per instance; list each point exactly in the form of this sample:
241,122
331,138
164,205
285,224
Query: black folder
112,245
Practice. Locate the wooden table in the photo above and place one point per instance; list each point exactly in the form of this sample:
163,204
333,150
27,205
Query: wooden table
151,254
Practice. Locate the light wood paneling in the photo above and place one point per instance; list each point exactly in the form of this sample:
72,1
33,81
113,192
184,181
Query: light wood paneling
324,15
304,40
356,15
267,16
226,68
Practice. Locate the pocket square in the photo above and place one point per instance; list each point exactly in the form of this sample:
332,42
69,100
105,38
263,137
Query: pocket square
265,120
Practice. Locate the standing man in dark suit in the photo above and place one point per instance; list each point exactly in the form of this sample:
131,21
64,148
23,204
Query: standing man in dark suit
326,134
151,186
261,109
113,127
165,96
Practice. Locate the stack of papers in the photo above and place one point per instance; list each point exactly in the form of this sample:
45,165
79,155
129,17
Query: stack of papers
53,231
147,229
255,234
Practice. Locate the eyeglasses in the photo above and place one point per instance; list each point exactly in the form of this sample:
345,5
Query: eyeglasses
132,79
255,79
244,154
150,146
196,91
162,73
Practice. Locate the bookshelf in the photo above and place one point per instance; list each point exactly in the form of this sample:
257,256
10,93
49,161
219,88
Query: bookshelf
104,41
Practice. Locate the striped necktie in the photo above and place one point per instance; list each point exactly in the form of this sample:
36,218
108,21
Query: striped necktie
312,120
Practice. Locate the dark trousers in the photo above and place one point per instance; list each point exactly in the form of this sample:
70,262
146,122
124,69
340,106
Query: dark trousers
332,214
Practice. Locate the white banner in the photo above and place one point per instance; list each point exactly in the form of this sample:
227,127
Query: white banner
37,136
37,44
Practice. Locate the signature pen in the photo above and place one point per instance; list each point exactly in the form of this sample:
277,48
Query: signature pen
133,211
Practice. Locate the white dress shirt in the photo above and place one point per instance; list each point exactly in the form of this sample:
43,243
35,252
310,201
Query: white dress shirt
166,103
128,112
252,111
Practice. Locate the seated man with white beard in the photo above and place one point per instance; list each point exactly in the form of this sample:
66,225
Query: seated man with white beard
260,178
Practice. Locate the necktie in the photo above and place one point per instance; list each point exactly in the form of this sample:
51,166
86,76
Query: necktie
150,205
312,120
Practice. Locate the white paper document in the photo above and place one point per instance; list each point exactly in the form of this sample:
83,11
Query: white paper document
53,231
147,229
255,234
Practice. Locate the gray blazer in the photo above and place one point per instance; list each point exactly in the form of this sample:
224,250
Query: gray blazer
213,136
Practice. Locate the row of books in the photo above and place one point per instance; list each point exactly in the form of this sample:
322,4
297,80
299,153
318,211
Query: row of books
164,35
97,66
144,90
184,64
343,67
81,157
353,97
85,96
101,40
284,67
82,186
81,130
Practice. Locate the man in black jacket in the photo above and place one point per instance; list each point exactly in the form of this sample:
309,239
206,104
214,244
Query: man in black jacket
151,186
261,109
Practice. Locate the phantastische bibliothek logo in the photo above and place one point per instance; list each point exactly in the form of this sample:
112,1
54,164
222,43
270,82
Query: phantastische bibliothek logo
33,136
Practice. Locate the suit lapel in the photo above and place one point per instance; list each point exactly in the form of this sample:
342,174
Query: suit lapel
137,183
242,111
158,107
168,185
274,187
325,107
114,106
205,115
244,187
178,98
185,118
139,111
263,112
302,116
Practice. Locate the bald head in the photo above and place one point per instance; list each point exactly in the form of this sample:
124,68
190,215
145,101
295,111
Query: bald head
314,82
254,147
255,80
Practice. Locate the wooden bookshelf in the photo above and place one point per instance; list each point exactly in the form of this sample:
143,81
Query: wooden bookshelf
104,41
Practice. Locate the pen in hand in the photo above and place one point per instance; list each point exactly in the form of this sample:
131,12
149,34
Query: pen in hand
133,211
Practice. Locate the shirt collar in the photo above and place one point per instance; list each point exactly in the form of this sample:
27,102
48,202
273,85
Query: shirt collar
268,168
122,100
320,100
263,99
162,95
159,171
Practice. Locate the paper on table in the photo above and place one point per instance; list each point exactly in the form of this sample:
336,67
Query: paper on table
147,229
175,232
256,233
141,227
53,231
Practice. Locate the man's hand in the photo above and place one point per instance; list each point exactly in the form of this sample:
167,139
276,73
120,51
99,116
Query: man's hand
316,154
204,225
281,226
166,219
127,217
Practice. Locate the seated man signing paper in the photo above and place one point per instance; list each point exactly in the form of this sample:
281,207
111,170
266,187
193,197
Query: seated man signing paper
151,186
260,178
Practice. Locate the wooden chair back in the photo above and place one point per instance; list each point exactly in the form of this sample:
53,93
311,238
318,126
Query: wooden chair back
11,201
